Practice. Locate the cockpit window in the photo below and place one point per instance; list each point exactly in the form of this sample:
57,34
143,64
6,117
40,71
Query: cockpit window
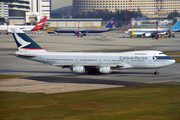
161,53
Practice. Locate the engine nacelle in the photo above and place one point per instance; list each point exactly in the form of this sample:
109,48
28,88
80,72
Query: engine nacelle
147,34
76,32
78,69
105,70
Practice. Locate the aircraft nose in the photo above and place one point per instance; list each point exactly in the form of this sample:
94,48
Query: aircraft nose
173,61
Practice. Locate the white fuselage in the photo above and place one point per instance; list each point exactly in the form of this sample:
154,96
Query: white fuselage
125,60
146,31
25,27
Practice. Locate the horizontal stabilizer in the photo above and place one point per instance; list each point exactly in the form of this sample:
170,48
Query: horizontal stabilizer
20,53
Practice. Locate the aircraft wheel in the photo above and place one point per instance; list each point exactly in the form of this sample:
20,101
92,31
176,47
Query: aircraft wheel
93,72
90,72
156,73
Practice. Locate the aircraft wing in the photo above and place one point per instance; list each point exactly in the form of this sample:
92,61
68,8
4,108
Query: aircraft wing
88,65
83,31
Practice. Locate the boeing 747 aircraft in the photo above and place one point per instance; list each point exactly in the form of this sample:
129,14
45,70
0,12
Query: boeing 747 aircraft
84,30
152,32
39,26
93,63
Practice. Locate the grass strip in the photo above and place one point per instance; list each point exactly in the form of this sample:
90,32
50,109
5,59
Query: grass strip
177,59
9,76
172,53
152,101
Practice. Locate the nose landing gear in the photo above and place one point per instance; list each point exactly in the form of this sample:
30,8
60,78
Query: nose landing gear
156,71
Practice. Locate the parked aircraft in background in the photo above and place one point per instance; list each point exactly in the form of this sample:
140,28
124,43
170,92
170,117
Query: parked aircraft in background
93,63
38,26
84,30
152,32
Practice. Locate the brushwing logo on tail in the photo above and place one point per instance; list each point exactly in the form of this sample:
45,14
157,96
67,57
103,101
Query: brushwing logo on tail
21,41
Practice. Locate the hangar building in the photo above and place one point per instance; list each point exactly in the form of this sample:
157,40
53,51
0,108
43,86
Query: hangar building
74,22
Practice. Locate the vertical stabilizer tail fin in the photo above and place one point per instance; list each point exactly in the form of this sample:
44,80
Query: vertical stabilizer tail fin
176,26
110,23
24,42
40,25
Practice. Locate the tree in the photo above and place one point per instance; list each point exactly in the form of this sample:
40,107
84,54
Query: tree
174,21
139,12
106,15
172,15
2,20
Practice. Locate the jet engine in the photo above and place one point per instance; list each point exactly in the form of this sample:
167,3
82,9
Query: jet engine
76,32
147,34
105,70
78,69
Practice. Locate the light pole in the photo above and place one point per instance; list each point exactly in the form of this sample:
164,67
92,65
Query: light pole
78,29
157,30
7,26
130,14
125,20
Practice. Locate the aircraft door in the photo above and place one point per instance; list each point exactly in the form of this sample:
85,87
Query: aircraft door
100,62
149,62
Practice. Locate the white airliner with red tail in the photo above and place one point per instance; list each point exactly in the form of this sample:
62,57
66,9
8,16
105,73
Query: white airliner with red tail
39,26
92,63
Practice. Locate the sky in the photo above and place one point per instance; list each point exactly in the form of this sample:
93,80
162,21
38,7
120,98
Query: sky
60,3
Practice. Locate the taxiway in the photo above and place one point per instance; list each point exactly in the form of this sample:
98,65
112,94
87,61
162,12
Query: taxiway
39,77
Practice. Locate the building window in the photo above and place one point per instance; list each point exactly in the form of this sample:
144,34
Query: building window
45,5
45,0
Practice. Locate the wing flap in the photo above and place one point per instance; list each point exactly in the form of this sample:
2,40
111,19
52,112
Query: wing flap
82,31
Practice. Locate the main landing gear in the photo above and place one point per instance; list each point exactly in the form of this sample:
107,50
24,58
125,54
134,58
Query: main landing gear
84,34
156,72
93,71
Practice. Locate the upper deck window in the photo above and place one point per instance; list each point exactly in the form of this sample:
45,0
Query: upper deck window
139,53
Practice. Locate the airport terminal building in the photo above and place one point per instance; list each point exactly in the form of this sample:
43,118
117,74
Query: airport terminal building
150,8
12,8
24,10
